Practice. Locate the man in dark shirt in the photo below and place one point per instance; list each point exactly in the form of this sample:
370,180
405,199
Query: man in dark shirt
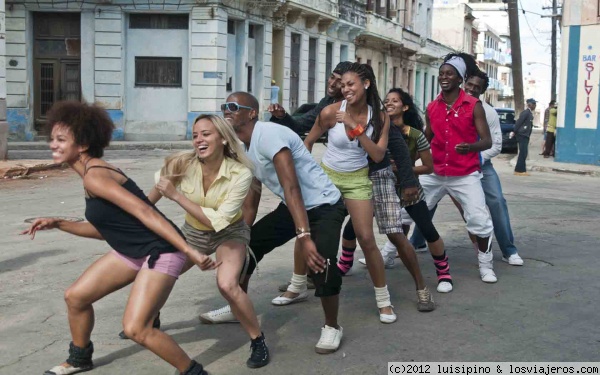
305,122
523,128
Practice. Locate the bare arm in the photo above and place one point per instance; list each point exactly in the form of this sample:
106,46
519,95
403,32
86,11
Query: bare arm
483,130
250,206
427,163
107,188
377,150
428,132
154,195
85,229
286,173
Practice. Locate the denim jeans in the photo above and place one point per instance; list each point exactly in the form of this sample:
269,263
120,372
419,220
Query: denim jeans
496,203
523,149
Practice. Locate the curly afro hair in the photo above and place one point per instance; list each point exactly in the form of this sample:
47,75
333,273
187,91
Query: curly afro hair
90,124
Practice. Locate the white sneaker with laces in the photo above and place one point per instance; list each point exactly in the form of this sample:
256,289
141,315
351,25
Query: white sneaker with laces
330,340
513,260
387,263
222,315
486,267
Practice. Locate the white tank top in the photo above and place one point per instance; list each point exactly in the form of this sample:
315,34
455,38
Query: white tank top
344,155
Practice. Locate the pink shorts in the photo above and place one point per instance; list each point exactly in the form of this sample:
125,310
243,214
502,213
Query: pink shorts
168,263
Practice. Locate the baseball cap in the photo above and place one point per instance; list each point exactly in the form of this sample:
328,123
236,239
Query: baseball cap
531,100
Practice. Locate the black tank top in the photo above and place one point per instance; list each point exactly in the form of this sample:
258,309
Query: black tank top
123,231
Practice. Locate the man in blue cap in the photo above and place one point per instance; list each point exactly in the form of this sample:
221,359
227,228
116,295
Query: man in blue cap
523,128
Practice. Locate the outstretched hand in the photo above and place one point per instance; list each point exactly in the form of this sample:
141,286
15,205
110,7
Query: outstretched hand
276,110
41,224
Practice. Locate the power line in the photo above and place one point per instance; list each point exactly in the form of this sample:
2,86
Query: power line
529,26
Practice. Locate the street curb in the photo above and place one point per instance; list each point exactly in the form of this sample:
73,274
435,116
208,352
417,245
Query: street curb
539,168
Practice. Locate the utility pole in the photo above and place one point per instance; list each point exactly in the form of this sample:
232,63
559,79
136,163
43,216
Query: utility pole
553,81
517,64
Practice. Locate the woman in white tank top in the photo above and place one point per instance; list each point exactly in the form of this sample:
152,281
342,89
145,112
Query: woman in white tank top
357,129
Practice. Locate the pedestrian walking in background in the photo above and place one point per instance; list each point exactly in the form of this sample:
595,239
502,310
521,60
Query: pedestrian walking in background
523,128
148,249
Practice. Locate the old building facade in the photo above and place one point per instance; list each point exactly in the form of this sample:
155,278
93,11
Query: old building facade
156,65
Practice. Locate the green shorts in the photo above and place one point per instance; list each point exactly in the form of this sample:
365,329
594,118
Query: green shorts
352,185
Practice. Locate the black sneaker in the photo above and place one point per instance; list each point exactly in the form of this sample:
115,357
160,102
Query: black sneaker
195,369
155,324
259,355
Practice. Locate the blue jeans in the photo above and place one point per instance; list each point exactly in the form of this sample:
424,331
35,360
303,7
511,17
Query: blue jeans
495,201
523,149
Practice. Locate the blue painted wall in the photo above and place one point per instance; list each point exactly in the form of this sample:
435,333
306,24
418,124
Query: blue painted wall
576,145
116,116
18,124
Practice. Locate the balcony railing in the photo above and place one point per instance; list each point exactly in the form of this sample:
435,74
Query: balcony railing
353,11
384,28
491,54
329,7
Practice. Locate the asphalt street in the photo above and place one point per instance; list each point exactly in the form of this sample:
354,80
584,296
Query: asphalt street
546,310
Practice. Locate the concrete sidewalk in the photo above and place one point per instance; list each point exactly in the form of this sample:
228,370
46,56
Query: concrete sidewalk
536,162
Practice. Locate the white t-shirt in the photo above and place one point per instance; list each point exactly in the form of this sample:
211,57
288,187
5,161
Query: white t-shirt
267,140
493,122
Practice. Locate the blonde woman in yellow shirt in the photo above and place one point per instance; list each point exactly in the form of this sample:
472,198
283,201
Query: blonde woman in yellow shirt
213,181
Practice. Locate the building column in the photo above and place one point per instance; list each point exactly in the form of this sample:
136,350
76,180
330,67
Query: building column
3,123
320,73
303,95
208,62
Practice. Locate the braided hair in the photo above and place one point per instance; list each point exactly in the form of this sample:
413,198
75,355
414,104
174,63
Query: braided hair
365,72
411,116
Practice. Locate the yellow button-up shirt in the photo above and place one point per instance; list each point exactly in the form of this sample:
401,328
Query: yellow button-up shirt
223,201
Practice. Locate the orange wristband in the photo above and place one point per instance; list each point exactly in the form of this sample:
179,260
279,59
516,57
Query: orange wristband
357,131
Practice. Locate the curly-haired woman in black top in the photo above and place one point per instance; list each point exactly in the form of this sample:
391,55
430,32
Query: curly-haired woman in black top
148,249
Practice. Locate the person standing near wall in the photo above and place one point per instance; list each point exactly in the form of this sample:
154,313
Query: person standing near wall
551,133
523,128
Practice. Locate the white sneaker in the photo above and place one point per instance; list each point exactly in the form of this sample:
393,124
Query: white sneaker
67,370
222,315
486,267
282,301
330,340
387,263
513,260
444,287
